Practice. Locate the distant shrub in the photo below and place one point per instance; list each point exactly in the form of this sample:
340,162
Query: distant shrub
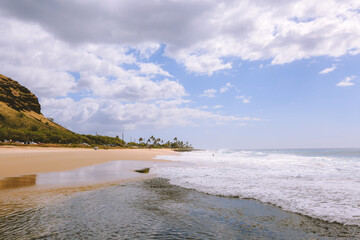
21,115
34,128
2,117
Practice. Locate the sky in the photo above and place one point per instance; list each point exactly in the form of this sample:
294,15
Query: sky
219,74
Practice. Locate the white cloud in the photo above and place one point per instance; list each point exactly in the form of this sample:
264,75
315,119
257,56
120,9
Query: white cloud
327,70
203,64
209,93
354,51
268,30
104,115
112,96
132,89
37,79
45,44
148,49
245,99
218,106
346,82
226,87
152,69
44,64
203,35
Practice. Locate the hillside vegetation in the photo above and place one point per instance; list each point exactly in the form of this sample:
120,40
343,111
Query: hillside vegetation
21,120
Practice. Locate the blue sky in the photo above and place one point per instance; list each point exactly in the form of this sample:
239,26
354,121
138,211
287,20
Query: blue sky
298,106
230,74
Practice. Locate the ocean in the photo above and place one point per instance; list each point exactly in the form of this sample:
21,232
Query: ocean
222,194
319,183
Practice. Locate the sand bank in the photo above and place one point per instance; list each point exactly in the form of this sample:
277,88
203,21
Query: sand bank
16,161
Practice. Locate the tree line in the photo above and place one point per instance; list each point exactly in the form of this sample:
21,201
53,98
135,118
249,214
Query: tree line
153,142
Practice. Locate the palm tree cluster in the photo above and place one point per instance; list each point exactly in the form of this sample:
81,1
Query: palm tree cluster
153,142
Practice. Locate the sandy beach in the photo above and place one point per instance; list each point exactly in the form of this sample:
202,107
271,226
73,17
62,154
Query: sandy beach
37,176
17,161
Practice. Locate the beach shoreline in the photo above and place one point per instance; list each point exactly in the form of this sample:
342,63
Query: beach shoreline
18,161
38,177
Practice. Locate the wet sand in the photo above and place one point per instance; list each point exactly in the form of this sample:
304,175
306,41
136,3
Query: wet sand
17,161
43,176
23,193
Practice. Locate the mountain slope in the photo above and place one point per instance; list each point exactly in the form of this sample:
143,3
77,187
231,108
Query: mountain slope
17,96
21,119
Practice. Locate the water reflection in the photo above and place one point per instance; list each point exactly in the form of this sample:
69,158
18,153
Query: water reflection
111,171
18,182
155,209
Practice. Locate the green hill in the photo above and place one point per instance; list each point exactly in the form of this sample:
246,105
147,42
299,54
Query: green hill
21,120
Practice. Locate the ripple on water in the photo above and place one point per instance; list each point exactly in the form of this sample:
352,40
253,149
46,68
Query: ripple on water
155,209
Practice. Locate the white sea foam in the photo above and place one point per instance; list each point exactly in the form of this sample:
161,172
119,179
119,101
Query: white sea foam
323,187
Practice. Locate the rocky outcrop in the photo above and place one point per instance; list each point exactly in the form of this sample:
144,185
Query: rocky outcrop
17,96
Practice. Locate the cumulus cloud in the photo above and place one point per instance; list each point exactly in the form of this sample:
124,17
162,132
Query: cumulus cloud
327,70
203,64
281,31
347,82
103,50
151,69
112,96
209,93
110,115
245,99
203,35
132,89
46,65
147,49
226,87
